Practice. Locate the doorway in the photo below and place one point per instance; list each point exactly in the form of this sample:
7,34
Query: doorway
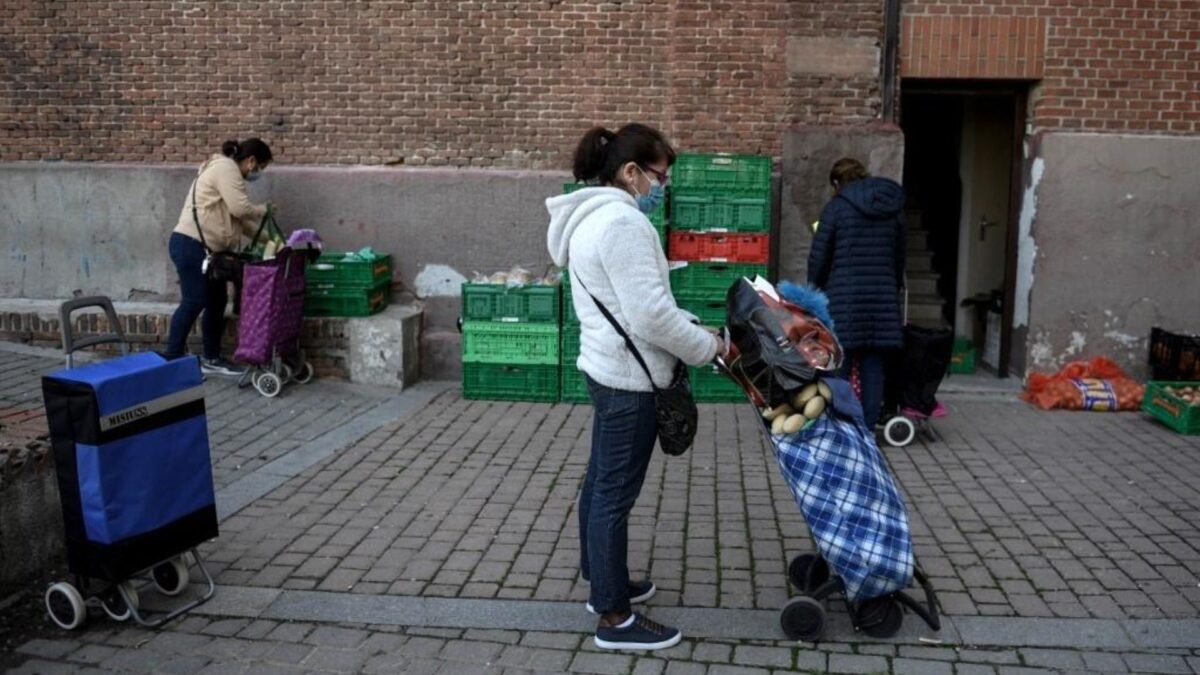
962,173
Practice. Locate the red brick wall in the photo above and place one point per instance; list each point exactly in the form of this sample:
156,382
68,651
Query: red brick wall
510,83
1125,66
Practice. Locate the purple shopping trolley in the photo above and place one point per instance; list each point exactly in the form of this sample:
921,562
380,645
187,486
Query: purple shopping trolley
270,320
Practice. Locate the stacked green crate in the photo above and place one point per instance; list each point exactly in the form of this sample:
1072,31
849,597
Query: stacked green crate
574,388
658,217
510,342
342,283
714,193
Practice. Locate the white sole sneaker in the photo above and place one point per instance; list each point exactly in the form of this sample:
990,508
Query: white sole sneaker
635,600
639,646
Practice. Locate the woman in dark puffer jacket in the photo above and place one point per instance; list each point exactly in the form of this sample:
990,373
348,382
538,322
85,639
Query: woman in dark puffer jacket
857,258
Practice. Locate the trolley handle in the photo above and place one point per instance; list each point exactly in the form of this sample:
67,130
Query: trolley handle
72,345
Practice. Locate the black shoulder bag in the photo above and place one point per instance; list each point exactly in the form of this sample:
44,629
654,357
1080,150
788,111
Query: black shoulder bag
222,265
674,407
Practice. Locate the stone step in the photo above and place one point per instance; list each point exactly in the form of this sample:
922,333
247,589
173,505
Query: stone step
923,284
920,262
918,240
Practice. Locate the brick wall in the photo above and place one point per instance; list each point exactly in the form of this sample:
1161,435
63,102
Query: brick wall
507,83
325,340
1127,66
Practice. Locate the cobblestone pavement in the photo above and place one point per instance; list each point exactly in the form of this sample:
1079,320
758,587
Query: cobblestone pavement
246,430
1059,542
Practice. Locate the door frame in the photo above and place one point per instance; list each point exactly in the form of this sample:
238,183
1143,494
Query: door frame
1018,91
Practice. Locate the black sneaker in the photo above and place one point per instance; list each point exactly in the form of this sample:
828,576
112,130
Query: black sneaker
220,366
639,592
637,633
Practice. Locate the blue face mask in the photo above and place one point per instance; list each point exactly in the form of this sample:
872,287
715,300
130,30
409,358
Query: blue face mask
647,203
254,175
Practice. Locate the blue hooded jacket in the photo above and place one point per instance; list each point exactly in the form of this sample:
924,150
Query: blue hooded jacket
857,258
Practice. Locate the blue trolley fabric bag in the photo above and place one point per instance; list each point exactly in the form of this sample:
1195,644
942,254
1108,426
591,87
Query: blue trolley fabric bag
851,503
130,443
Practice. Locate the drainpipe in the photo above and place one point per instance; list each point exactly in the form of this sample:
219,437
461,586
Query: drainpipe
891,48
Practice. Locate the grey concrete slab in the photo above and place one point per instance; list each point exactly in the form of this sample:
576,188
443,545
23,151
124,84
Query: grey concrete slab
1035,632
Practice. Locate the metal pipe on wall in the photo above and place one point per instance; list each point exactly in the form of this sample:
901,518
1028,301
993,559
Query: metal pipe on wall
888,75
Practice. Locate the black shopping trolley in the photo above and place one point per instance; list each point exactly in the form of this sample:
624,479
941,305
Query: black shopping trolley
130,443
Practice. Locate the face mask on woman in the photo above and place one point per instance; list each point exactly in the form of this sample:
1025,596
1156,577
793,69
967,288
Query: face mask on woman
654,198
253,176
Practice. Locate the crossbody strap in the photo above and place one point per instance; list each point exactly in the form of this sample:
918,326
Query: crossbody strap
196,217
620,331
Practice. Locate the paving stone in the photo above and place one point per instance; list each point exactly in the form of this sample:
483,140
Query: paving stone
1051,658
601,664
1104,662
775,657
903,666
852,663
1155,663
337,660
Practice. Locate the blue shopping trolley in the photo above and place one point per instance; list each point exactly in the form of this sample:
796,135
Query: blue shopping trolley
130,443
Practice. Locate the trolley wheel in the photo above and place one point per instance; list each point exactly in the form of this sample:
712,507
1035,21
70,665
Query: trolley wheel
899,431
268,384
171,577
305,374
114,603
245,379
807,572
803,618
880,617
285,372
65,605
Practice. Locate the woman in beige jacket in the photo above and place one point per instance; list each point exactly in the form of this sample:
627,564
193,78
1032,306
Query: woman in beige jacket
223,213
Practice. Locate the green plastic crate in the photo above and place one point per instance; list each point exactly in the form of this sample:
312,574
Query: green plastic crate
574,388
568,303
1170,409
722,172
495,302
509,382
710,281
570,343
709,385
710,312
346,272
340,301
658,217
714,212
530,344
962,358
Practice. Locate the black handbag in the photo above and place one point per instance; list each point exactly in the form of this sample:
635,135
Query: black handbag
674,406
223,265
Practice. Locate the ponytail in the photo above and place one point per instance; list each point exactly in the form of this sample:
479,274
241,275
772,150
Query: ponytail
601,153
251,147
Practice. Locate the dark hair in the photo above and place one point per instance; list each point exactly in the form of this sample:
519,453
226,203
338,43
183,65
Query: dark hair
601,153
251,147
847,170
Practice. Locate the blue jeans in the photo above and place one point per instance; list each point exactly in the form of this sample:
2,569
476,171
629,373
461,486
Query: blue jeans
870,373
624,430
198,295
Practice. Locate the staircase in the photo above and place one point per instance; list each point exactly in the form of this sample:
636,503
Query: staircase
925,303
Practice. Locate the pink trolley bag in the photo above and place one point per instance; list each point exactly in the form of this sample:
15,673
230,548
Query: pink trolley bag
269,324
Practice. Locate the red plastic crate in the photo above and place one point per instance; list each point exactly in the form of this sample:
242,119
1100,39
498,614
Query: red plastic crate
719,247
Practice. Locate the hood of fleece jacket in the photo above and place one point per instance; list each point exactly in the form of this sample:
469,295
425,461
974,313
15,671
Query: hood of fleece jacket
569,210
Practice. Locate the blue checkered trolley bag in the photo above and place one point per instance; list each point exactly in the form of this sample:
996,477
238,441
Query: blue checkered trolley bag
785,358
130,443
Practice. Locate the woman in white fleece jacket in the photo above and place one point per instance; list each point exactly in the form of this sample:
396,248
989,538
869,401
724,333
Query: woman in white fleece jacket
614,254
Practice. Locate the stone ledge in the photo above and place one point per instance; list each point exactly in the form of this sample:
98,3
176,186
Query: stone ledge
382,349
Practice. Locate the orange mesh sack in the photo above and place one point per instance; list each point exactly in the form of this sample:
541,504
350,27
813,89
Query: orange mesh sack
1098,385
